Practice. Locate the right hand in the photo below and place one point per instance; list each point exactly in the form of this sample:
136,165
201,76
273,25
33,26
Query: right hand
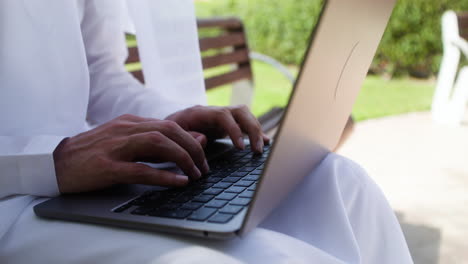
108,155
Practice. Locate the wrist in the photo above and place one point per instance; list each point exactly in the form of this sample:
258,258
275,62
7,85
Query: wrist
58,162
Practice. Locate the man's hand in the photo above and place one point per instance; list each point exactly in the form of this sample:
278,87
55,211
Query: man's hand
217,122
108,154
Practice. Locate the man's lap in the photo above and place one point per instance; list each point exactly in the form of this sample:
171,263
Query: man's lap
321,220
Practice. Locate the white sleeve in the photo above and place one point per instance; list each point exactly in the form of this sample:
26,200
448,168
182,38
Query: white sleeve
114,91
27,165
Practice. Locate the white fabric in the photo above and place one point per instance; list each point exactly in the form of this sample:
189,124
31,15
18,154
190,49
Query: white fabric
62,63
336,215
168,45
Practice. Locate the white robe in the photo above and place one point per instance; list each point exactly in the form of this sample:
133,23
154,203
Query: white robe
61,67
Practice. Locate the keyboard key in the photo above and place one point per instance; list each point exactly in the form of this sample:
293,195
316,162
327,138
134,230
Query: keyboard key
192,206
202,214
226,196
222,185
246,194
248,169
231,209
205,185
231,179
238,155
216,203
193,192
254,163
203,198
240,201
213,191
239,174
253,187
178,214
251,177
182,198
244,183
213,179
256,172
235,189
169,194
220,218
170,206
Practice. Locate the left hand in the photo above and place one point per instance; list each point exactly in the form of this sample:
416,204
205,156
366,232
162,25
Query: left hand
218,122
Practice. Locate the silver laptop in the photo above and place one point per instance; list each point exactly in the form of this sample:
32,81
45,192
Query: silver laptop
242,188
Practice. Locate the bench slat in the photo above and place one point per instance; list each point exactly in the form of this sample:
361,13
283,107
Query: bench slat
133,55
230,77
227,23
227,40
237,57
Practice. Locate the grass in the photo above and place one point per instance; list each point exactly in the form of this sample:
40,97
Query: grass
378,97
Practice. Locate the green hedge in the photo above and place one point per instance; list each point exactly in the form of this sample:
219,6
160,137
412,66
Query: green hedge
280,28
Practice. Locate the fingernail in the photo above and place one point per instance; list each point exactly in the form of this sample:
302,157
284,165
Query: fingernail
181,180
206,167
200,139
260,145
196,172
240,142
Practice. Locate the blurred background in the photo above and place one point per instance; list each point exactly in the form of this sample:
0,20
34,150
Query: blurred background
420,162
402,76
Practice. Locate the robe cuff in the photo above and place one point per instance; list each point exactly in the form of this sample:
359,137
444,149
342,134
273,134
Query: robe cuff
37,169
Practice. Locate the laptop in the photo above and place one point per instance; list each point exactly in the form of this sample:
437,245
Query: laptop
242,188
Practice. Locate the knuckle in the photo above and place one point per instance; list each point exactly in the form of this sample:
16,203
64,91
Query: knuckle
155,137
120,125
223,113
171,125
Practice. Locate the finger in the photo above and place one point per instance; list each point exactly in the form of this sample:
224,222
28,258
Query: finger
177,134
201,138
266,139
225,119
156,146
250,126
137,173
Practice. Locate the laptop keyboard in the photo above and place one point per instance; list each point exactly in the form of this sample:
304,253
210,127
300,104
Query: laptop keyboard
216,198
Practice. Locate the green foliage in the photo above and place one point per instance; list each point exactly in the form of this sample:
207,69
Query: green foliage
281,28
412,41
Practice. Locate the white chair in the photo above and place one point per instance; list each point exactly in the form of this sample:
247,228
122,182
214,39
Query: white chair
451,94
